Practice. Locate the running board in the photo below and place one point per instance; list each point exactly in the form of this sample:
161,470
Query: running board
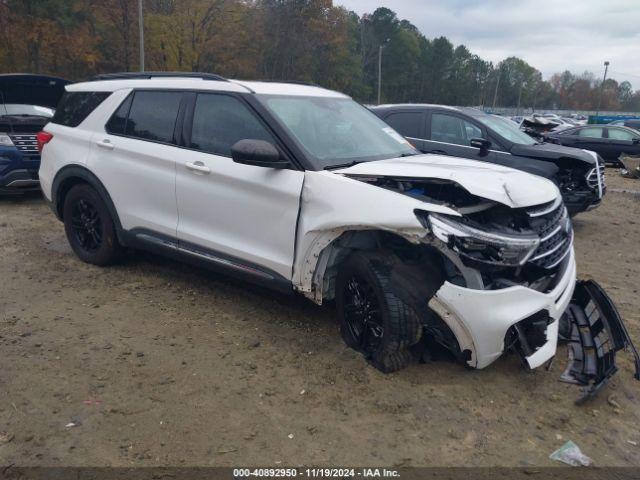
597,332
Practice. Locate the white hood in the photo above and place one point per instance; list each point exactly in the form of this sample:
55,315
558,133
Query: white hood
494,182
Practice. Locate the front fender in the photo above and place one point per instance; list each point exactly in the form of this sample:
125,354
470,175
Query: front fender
332,204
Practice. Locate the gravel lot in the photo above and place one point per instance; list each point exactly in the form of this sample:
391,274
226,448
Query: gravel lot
158,363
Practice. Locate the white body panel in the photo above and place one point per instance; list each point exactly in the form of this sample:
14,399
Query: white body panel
239,210
332,203
139,175
69,146
487,180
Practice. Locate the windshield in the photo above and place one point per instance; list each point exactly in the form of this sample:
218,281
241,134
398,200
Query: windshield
506,129
19,109
336,131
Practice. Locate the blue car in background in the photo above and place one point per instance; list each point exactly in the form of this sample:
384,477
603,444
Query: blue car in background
27,103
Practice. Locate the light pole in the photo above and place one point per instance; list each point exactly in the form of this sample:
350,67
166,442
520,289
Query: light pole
604,79
382,45
495,93
141,27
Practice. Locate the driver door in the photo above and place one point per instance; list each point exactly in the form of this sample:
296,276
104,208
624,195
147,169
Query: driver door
451,135
243,216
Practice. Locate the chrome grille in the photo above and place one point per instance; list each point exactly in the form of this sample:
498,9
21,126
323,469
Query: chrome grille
592,177
551,222
26,143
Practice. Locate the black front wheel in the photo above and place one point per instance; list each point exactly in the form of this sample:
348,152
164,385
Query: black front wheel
89,227
373,319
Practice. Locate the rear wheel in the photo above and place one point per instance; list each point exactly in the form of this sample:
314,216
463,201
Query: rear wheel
373,319
89,227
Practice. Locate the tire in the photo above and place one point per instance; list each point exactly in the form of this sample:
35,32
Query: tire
89,226
373,319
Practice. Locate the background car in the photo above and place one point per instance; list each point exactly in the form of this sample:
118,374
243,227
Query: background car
606,140
27,103
631,123
471,133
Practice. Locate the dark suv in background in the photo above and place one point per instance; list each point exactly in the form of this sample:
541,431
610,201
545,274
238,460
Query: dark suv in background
27,104
471,133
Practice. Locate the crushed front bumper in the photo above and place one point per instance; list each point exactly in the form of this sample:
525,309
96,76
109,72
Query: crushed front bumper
480,319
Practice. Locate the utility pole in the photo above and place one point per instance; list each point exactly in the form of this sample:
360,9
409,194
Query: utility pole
606,67
382,45
495,93
519,97
379,72
141,26
535,99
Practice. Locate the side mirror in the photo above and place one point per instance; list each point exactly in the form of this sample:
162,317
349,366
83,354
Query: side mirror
257,153
480,143
636,141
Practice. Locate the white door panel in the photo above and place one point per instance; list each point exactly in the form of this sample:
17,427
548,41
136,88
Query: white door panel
239,210
140,177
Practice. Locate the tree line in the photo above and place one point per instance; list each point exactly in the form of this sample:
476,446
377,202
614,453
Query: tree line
303,40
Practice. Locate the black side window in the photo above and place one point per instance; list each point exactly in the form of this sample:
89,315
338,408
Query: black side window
153,115
452,129
219,121
74,107
408,124
118,121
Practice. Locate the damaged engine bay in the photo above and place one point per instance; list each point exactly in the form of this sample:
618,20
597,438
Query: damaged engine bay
475,253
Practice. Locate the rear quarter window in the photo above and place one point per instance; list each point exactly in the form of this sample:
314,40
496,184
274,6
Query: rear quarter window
74,107
152,115
408,124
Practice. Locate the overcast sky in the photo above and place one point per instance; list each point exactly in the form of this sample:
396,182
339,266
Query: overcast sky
551,35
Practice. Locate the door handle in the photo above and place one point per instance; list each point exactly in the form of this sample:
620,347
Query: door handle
105,143
197,167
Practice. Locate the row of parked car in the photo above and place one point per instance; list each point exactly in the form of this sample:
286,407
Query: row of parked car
468,246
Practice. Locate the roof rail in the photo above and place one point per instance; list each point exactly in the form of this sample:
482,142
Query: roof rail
294,82
148,75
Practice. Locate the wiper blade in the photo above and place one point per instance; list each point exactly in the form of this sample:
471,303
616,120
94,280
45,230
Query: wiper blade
342,165
408,154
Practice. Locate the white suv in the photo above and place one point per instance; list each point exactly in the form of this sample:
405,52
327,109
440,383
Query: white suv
304,190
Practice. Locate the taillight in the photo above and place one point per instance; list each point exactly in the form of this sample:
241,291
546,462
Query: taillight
43,138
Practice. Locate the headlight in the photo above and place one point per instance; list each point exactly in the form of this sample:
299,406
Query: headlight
482,246
5,140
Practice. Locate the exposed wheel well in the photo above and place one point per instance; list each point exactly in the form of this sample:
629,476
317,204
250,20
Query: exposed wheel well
417,272
396,247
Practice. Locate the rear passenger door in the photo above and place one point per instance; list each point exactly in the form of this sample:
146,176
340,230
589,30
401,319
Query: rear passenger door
622,140
243,216
409,124
590,138
135,160
451,134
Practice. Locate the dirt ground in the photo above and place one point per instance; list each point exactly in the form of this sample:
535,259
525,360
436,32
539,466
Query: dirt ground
158,363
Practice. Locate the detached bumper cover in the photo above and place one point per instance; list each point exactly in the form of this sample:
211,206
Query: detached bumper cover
597,332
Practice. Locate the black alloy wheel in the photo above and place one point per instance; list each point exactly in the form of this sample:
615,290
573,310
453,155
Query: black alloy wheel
86,226
362,315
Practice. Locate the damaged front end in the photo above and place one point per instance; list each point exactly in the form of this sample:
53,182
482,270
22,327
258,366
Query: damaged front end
595,332
510,278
